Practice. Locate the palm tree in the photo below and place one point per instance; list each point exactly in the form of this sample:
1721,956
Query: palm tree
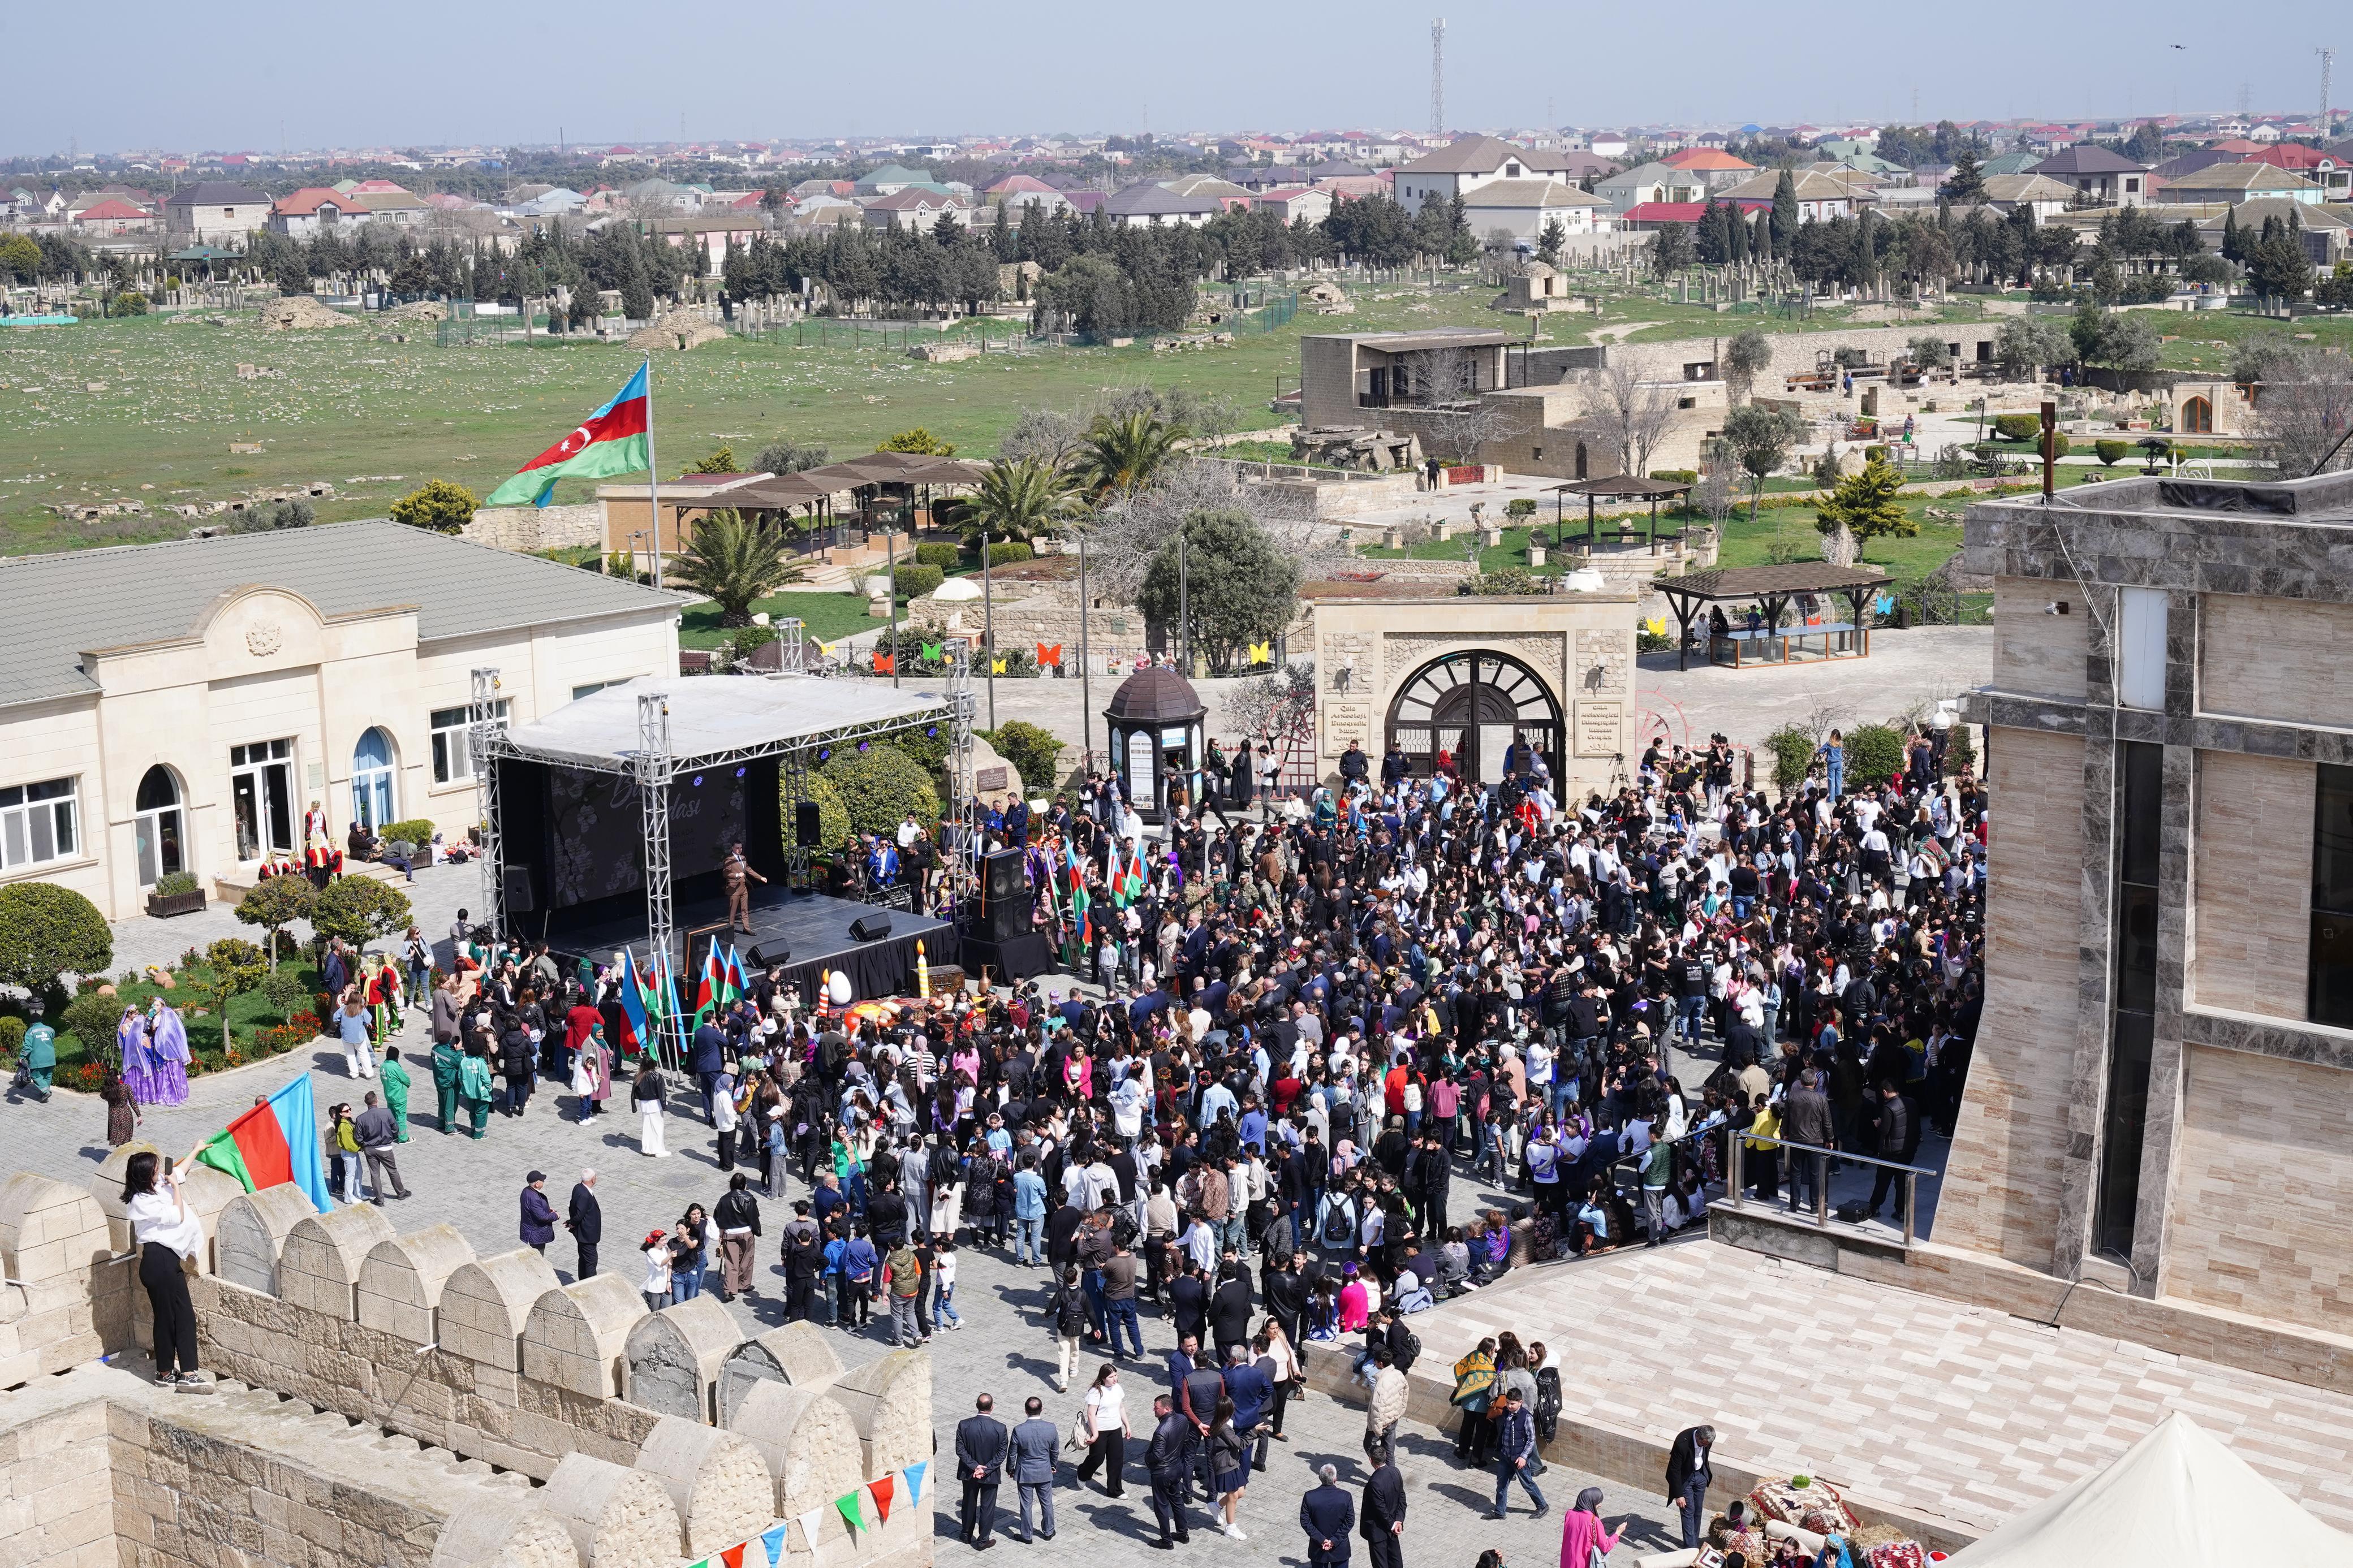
735,562
1016,500
1122,455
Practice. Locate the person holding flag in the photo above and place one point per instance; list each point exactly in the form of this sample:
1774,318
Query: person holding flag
167,1233
273,1144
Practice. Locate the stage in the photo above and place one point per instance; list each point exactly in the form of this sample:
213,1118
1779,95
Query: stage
813,928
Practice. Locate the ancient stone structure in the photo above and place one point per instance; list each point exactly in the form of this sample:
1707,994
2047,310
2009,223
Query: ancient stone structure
394,1400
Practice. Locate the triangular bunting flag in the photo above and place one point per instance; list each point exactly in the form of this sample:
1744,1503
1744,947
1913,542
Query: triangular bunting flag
916,1482
810,1523
885,1488
734,1555
851,1508
773,1538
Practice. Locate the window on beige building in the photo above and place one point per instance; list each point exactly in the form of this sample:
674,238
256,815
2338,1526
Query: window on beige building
453,760
39,823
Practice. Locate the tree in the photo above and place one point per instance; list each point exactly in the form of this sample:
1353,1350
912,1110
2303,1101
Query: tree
274,903
46,932
881,785
736,562
436,505
2025,344
722,462
2302,411
1672,249
1785,212
1017,500
785,456
1238,586
269,516
1548,243
1125,453
237,967
1625,413
1032,751
920,442
1746,357
1760,438
1928,351
2277,266
20,259
1863,508
1967,184
360,909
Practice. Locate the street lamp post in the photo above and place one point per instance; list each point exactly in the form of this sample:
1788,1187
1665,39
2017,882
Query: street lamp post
988,623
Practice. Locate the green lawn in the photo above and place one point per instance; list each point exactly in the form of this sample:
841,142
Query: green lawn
826,617
248,1013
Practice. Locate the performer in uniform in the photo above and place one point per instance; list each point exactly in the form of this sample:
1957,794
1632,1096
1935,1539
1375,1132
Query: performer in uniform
739,875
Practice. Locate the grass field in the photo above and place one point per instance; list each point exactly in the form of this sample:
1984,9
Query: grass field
147,408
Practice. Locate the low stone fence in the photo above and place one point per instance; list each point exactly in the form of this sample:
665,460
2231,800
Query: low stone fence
525,528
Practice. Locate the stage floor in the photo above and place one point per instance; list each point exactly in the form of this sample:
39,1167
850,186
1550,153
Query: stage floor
813,928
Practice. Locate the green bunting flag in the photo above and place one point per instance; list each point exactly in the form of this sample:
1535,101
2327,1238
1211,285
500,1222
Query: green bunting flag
850,1506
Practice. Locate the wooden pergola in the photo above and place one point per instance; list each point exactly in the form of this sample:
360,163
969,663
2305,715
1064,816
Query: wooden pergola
1771,588
1617,486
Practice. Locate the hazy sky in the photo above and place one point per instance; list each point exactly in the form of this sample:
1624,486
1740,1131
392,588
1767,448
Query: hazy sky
492,71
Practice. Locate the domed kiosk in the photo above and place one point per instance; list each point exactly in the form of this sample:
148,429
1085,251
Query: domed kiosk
1154,728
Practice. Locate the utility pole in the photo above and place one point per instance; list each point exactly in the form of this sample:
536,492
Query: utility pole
1438,77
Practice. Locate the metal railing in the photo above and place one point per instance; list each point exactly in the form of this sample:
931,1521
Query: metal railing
1737,1155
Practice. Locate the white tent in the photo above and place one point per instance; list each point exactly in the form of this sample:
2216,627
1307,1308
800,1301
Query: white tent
2177,1498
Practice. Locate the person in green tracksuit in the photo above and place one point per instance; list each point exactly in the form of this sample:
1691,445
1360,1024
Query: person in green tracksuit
474,1087
444,1083
394,1074
41,1055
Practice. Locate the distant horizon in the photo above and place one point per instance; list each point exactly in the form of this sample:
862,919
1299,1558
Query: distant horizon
489,73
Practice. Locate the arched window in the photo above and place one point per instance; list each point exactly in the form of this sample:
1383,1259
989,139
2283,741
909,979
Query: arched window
160,833
2197,417
372,780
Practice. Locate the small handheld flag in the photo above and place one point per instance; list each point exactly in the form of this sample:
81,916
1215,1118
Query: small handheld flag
274,1143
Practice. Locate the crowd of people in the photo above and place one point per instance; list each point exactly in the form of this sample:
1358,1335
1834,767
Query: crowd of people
1311,1035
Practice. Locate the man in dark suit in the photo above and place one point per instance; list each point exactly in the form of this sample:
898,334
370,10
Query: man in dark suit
1165,1459
586,1223
981,1445
1688,1476
1383,1516
1327,1513
1035,1443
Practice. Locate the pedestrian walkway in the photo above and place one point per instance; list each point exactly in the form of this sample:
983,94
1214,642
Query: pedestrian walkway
1902,1400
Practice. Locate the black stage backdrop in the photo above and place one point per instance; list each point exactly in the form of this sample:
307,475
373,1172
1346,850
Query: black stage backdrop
579,837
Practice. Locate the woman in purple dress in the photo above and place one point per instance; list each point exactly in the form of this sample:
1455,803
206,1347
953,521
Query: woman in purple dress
168,1050
130,1044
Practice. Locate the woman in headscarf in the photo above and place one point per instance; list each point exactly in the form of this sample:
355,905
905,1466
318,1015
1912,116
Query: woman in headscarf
1585,1540
592,1073
130,1044
1474,1387
167,1056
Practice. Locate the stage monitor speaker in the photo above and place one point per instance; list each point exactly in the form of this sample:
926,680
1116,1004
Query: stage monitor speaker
808,832
519,898
762,957
871,928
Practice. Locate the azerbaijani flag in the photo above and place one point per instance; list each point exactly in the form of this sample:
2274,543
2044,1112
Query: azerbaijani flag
275,1142
730,978
1079,899
636,1027
613,441
707,999
1127,884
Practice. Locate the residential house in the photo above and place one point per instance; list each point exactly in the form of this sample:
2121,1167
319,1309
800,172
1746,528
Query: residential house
306,213
1522,207
1820,197
1022,194
1296,203
1645,183
1144,204
1225,193
2100,177
1464,164
2250,180
2020,162
1717,169
115,216
2325,232
2041,194
2190,162
891,179
915,207
215,212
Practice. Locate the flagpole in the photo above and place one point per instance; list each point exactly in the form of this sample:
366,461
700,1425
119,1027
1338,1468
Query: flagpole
653,472
988,625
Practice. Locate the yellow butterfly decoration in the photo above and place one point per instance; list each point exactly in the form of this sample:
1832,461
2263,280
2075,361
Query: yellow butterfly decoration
1261,653
1656,625
996,667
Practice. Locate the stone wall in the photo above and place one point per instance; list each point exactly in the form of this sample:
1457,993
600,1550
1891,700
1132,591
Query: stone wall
1795,352
2036,652
525,529
2251,927
2258,656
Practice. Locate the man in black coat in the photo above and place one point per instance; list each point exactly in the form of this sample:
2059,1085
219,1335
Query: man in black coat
1384,1517
1166,1458
981,1444
1899,1139
1688,1476
1229,1313
1327,1513
586,1223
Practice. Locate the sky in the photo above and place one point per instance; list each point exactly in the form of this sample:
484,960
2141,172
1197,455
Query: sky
492,71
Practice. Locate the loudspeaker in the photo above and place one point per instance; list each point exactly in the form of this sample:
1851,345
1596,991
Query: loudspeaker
870,928
762,957
805,832
1004,895
519,900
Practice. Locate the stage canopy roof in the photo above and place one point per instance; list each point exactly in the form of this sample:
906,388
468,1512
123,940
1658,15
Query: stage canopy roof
715,717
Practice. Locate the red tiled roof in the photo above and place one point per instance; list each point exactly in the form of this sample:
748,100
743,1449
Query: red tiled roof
113,207
1704,158
1665,212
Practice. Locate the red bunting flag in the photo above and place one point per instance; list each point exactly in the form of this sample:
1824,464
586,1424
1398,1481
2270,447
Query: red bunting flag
1050,654
886,663
884,1490
734,1555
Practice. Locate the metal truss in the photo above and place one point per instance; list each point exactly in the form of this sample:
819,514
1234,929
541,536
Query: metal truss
483,731
962,801
792,644
653,767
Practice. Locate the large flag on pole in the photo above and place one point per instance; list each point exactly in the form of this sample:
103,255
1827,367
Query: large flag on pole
730,978
1080,902
637,1022
275,1142
707,988
613,441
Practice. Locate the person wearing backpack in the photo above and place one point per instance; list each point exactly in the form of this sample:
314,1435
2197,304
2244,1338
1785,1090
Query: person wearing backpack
1335,1222
903,1277
1384,1409
1066,1320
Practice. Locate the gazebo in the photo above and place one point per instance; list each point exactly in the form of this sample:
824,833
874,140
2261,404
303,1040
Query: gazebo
1617,486
1771,589
1155,724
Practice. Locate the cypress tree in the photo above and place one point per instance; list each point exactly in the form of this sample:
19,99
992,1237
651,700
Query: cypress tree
1785,210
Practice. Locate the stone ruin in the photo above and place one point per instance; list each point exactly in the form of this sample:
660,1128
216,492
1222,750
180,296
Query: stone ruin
680,329
397,1400
1354,446
300,313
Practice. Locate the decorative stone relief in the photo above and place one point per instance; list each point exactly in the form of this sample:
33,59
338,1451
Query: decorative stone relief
263,638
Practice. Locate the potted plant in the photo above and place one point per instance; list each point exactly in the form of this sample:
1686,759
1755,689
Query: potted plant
175,893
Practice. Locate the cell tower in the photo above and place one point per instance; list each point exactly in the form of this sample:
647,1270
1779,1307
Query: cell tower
2327,63
1438,77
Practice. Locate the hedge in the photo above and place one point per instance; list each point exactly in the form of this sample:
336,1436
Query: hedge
1007,553
943,556
1874,754
2110,453
916,580
1793,755
417,831
879,785
2017,426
